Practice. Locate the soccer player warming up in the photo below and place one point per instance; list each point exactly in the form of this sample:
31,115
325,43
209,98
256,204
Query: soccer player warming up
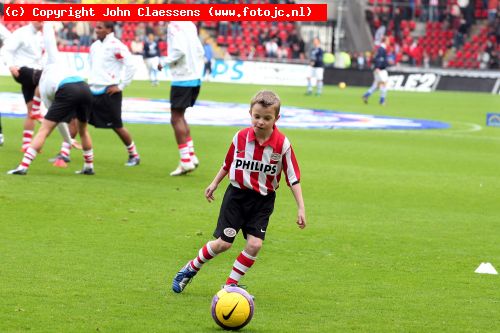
185,58
254,162
65,94
108,58
380,75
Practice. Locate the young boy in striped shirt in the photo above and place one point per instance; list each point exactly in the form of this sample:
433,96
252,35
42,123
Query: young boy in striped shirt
254,162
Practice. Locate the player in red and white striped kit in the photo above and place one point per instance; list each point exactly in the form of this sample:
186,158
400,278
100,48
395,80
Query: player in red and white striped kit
254,163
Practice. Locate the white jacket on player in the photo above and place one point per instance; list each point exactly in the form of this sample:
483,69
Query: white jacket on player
108,59
185,51
24,48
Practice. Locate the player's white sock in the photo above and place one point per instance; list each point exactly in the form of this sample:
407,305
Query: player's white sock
27,138
28,157
65,149
132,150
192,155
88,157
205,254
35,108
241,265
184,153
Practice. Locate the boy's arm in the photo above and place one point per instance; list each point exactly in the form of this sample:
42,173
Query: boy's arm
209,192
301,211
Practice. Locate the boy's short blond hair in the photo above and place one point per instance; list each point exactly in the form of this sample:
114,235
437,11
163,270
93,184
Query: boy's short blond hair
267,99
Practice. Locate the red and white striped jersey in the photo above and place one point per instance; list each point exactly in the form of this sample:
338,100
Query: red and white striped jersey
258,167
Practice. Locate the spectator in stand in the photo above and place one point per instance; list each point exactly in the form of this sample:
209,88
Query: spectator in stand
137,46
140,30
118,30
283,51
294,41
492,11
72,37
370,18
433,10
207,71
271,48
484,60
152,58
83,30
398,17
223,27
361,61
235,29
424,16
494,62
460,34
380,33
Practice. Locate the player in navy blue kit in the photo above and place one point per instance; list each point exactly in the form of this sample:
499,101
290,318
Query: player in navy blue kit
380,75
316,68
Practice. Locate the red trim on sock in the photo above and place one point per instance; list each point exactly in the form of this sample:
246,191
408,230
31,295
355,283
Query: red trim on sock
231,281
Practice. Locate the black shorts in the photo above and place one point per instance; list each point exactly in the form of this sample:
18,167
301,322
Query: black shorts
183,97
246,210
71,100
106,111
27,80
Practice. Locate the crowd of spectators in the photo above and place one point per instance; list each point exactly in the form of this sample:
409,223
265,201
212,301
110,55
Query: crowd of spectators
461,34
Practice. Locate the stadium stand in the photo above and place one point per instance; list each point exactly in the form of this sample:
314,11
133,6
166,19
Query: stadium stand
421,34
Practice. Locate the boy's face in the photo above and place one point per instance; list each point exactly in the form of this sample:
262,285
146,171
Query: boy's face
263,119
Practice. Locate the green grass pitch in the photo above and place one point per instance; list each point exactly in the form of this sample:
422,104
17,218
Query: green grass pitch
397,223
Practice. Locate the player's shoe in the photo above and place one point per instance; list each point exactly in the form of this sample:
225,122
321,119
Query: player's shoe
18,171
183,168
133,161
86,171
60,157
182,278
1,139
365,99
308,93
195,161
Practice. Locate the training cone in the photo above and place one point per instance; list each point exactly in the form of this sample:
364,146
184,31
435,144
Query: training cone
486,268
60,163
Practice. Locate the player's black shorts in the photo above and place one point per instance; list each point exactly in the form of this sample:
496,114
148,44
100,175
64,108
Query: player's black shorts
183,97
106,111
27,80
246,210
71,100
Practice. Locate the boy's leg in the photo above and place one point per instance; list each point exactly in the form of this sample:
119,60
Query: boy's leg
370,91
34,147
383,94
133,156
206,253
245,260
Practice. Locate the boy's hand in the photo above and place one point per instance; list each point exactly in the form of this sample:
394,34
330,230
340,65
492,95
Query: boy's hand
209,192
301,219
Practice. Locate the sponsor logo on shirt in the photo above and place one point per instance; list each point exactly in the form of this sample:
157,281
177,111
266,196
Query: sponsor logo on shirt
275,157
258,166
